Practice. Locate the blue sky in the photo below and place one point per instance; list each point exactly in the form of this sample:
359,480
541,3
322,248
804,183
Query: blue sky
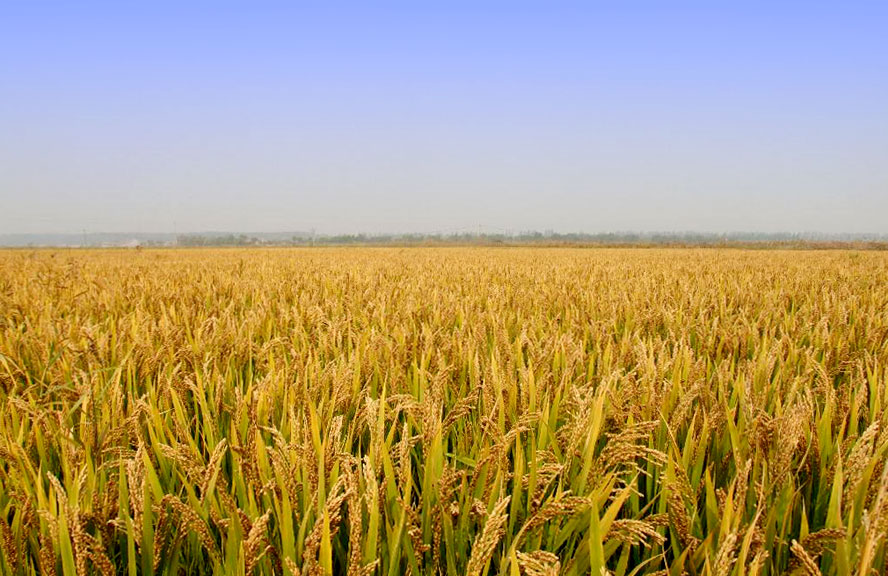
594,116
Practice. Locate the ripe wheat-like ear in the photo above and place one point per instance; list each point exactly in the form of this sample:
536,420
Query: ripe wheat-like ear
444,411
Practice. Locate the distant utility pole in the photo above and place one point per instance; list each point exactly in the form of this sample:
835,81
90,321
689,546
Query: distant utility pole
84,237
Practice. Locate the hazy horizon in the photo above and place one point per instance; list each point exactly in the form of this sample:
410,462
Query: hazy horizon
472,231
416,118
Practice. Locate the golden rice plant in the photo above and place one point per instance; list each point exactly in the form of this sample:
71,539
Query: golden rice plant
383,411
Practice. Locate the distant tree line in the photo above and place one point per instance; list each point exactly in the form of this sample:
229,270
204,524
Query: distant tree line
222,240
608,239
495,238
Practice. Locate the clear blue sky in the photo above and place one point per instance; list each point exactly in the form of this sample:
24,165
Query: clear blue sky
421,116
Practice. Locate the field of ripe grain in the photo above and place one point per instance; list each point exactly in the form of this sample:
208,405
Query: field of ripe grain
458,411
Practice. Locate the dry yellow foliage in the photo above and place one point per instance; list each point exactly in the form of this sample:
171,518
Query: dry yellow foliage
443,410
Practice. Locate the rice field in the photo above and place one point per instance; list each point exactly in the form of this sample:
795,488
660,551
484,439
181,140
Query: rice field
454,411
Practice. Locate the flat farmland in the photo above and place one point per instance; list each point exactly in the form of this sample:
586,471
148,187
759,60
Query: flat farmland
458,411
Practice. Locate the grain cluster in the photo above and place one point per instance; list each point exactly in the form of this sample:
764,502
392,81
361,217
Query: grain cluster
458,411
